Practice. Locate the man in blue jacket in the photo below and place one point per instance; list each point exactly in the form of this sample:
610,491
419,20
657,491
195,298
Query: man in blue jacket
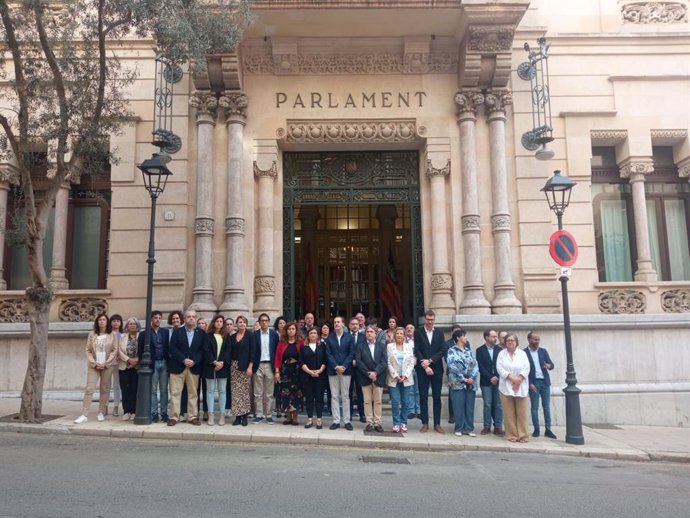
340,351
539,383
160,339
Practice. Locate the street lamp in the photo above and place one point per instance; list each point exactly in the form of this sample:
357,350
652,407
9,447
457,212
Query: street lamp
557,190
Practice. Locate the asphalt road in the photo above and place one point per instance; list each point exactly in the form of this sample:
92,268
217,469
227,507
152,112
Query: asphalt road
81,476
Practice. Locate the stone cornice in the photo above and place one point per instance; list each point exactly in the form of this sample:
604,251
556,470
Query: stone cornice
349,131
356,4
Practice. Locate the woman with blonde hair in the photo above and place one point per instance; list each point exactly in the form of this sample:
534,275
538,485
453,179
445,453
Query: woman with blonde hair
241,354
127,368
401,361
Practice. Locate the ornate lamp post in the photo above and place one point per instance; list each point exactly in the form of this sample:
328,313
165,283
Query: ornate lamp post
155,173
557,190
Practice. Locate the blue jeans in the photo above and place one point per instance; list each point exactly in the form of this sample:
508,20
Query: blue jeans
543,391
492,406
211,385
400,396
159,378
463,409
413,404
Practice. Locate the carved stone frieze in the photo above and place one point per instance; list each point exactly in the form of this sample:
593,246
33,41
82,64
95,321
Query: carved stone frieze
204,226
235,105
372,63
500,222
654,12
622,301
470,223
669,134
234,226
9,174
432,171
632,167
14,311
497,101
441,282
490,38
205,103
271,172
346,131
609,135
676,301
468,101
81,309
264,285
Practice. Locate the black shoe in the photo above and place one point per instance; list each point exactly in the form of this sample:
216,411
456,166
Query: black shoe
451,420
237,421
154,418
378,428
535,433
165,418
369,428
548,433
419,416
411,416
244,420
362,419
334,426
348,427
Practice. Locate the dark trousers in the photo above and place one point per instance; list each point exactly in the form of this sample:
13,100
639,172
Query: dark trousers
228,402
451,410
436,380
356,390
313,388
128,385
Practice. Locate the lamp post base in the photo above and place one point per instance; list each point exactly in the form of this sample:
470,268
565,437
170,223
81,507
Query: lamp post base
573,419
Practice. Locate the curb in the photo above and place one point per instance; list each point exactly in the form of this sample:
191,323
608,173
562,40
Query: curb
415,444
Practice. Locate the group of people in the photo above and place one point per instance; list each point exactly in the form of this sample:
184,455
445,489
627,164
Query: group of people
292,365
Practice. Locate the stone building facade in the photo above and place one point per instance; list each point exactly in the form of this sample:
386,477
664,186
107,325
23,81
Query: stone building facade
345,141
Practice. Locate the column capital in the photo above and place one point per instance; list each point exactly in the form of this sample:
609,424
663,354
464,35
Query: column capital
9,175
635,168
205,103
271,172
467,102
684,168
432,171
496,101
235,105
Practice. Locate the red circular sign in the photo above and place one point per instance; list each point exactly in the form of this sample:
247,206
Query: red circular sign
563,248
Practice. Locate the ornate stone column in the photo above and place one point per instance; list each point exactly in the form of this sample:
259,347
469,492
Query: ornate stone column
8,176
505,301
264,282
235,106
474,302
58,271
204,223
441,279
635,169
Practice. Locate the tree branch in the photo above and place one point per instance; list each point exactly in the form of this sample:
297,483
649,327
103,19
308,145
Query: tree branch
22,88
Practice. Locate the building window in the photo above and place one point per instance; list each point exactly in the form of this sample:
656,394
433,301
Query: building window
668,206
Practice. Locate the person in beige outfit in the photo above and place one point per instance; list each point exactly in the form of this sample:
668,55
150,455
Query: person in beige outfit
101,355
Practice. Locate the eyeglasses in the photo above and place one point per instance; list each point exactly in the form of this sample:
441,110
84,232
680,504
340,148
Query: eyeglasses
510,340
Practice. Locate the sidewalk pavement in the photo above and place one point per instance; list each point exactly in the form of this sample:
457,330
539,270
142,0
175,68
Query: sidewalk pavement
638,443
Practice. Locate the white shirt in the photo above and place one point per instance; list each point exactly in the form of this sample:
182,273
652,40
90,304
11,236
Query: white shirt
491,351
372,346
312,347
517,365
429,334
537,368
265,352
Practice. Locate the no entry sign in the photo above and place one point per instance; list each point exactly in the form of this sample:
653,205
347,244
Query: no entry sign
563,248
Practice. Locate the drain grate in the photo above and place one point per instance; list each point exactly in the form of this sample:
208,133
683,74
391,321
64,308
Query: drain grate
602,426
385,460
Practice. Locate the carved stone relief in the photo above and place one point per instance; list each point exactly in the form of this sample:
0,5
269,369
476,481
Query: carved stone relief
271,172
432,171
622,301
654,12
204,226
671,134
205,103
470,223
235,104
500,222
14,311
684,168
9,174
497,101
234,226
332,131
441,282
612,135
264,285
490,38
676,301
81,309
631,168
468,101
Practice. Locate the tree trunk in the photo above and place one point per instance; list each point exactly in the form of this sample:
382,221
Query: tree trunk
38,301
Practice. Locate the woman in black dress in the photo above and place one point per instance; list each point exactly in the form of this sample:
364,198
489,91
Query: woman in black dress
287,372
241,354
312,360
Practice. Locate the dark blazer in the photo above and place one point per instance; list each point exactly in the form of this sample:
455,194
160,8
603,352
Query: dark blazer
312,359
543,357
487,368
165,339
366,363
211,355
180,350
342,354
272,343
434,351
242,350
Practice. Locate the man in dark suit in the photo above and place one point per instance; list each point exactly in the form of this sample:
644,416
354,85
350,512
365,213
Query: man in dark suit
160,354
372,365
487,355
355,386
265,342
186,355
429,350
340,351
539,383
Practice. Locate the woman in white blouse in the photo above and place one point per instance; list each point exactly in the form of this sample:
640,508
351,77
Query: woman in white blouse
401,362
513,371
